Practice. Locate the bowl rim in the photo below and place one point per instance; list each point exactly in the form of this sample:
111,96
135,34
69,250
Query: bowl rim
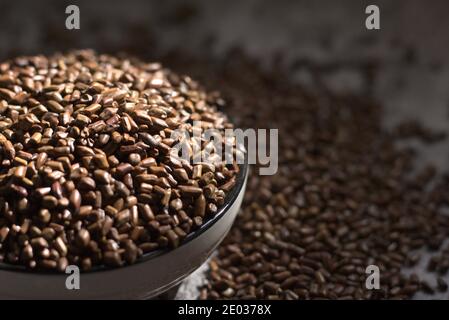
230,198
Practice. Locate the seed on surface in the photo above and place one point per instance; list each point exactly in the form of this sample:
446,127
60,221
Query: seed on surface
335,206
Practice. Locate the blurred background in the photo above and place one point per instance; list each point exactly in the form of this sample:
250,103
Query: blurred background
403,65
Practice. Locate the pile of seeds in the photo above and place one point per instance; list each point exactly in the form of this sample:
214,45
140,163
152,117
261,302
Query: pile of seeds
345,197
87,175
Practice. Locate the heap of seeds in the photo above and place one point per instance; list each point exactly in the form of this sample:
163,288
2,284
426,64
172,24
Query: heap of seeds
87,176
345,197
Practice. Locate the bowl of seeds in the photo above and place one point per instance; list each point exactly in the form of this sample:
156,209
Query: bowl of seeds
105,168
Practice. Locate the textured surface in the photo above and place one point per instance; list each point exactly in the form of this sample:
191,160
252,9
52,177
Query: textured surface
409,52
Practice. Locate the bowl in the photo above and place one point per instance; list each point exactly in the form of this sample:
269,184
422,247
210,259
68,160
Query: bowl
153,274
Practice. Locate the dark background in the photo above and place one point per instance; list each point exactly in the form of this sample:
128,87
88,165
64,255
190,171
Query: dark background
403,65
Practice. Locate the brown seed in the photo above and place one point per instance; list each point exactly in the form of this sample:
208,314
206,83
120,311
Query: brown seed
41,159
86,183
124,168
83,238
75,199
123,217
102,176
134,159
55,106
84,211
27,253
93,108
62,264
146,212
39,242
190,191
112,259
176,204
200,206
181,175
20,172
44,215
48,264
4,231
131,253
49,202
61,247
173,238
101,161
36,137
148,246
